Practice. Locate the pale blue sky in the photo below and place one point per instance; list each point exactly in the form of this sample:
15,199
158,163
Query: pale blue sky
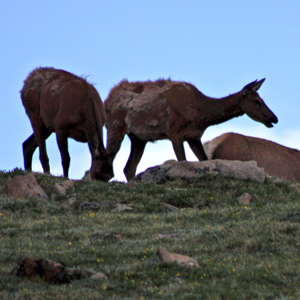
219,46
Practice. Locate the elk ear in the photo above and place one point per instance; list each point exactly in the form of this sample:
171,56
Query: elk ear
258,84
248,88
253,86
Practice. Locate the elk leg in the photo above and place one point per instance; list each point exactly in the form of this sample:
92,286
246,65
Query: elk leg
137,150
113,148
178,149
62,142
44,157
29,147
114,141
41,134
38,139
197,148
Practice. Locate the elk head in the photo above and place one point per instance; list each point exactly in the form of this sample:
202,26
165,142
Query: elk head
255,107
101,168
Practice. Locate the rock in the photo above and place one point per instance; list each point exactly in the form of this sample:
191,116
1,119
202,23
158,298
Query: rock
89,206
167,236
47,270
295,188
26,186
169,207
94,205
245,199
154,174
108,236
61,188
274,179
99,276
183,260
72,199
195,170
112,236
170,162
121,207
51,271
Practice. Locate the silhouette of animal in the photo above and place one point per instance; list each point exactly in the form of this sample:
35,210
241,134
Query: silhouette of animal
178,111
275,159
61,102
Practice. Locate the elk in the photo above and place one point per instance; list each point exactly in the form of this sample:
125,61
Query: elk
275,159
61,102
178,111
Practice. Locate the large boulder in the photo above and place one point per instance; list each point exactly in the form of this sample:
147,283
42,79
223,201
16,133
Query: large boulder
196,170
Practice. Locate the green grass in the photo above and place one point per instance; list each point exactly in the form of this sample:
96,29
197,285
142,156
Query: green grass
244,252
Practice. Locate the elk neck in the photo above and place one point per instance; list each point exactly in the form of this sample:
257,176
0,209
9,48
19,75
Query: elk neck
223,109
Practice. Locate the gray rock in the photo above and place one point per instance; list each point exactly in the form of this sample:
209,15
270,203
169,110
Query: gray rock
196,170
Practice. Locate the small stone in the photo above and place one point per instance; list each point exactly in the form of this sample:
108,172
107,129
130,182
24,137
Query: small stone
163,236
112,236
170,207
72,200
245,199
183,260
61,188
99,276
295,188
89,206
121,207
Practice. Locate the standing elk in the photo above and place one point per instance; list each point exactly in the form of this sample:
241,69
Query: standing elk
275,159
61,102
178,111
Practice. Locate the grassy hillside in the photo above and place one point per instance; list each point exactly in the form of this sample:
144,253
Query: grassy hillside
244,251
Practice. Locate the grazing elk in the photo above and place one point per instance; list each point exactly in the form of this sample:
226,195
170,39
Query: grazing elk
178,111
275,159
61,102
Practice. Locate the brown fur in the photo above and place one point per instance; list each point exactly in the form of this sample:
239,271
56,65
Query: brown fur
275,159
61,102
178,111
